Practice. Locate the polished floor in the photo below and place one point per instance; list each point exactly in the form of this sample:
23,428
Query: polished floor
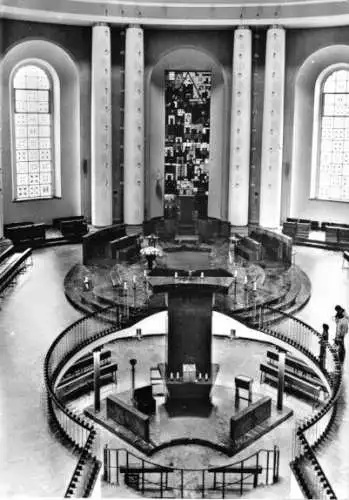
32,462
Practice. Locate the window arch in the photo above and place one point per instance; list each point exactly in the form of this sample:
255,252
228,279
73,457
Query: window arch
331,135
35,132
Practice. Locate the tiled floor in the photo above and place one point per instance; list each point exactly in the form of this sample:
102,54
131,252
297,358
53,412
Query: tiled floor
32,462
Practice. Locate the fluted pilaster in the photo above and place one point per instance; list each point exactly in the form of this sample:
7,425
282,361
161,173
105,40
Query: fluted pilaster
239,166
101,147
134,127
273,128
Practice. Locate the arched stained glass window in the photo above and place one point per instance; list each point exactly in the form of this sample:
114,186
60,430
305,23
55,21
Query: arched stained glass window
333,153
33,133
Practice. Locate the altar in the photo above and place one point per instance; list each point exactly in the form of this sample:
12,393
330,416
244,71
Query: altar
188,372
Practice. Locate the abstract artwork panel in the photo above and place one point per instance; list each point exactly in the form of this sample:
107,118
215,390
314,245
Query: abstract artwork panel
187,135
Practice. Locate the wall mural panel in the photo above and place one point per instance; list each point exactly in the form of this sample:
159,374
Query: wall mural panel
187,138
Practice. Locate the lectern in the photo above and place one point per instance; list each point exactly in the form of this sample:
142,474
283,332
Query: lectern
189,372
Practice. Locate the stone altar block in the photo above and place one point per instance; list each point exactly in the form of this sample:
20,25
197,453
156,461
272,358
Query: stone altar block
190,300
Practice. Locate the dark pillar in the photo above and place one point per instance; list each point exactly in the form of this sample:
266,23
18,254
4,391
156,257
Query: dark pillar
133,363
281,380
96,378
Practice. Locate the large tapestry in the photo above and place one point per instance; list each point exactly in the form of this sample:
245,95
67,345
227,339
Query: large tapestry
187,136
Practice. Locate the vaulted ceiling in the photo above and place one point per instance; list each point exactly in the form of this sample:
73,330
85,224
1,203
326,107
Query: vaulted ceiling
182,13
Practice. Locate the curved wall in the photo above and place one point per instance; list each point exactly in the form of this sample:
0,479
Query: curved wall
38,42
309,52
188,51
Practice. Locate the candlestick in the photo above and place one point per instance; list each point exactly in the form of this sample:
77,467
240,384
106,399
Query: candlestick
176,275
254,286
230,259
134,280
235,273
125,285
202,275
245,280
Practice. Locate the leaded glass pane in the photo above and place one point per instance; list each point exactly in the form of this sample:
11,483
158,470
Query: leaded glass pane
334,151
33,133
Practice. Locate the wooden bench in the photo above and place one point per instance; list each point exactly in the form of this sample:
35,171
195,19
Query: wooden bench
11,265
123,247
289,228
28,232
296,367
85,364
292,383
249,248
56,223
302,230
82,383
96,245
73,229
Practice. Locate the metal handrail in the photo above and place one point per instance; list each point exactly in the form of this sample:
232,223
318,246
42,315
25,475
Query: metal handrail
82,434
306,425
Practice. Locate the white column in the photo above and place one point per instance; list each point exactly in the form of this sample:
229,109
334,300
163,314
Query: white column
273,128
134,127
239,165
101,149
1,195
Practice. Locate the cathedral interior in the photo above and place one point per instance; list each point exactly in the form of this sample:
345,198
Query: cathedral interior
174,248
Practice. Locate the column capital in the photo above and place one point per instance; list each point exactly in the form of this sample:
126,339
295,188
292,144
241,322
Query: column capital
242,27
276,27
137,26
102,25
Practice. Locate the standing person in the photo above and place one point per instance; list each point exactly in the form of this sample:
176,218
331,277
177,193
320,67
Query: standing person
342,326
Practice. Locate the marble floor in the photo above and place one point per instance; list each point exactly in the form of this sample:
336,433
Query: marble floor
32,462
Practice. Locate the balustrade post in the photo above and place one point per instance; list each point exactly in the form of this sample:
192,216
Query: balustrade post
281,380
323,342
105,463
96,378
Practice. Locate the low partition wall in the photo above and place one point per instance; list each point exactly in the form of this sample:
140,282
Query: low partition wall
96,245
248,418
128,416
207,228
275,246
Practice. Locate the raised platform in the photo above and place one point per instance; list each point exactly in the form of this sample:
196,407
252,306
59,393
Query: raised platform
206,424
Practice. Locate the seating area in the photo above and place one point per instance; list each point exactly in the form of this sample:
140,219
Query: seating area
336,235
25,232
11,263
71,227
109,243
79,378
300,379
249,249
38,233
275,247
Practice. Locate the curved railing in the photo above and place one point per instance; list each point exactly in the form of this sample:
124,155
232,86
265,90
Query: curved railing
312,430
75,429
261,467
80,433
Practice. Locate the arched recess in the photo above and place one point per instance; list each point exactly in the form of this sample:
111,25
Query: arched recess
69,203
181,59
306,112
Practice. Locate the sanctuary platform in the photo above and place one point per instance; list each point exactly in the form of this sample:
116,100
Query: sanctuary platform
206,424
